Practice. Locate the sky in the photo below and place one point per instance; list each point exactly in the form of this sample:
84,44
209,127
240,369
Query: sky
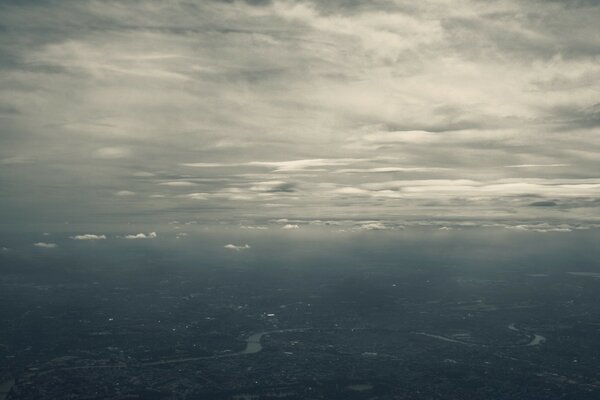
366,115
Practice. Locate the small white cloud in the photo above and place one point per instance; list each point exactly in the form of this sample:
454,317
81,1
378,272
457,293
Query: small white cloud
290,226
446,228
124,193
207,165
236,247
273,186
282,166
151,235
88,236
374,226
178,183
143,174
537,165
111,153
45,245
196,196
542,228
389,169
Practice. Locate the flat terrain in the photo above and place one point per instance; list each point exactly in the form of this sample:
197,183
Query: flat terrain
388,329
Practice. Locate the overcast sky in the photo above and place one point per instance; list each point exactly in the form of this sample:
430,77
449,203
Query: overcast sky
388,111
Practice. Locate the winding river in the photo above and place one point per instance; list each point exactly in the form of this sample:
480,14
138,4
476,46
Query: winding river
253,345
535,340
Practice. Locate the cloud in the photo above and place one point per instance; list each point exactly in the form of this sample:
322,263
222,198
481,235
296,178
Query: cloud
281,166
300,165
143,174
254,227
45,245
178,183
15,160
543,203
197,196
112,153
381,109
537,165
124,193
290,226
374,226
151,235
236,247
542,228
273,187
88,236
389,169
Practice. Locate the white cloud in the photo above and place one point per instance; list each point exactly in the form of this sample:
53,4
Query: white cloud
374,226
390,169
151,235
45,245
143,174
208,165
537,165
178,183
112,153
197,196
283,166
88,236
272,186
124,193
541,227
290,226
299,165
236,247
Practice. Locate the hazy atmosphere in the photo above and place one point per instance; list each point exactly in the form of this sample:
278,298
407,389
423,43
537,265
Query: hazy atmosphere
267,200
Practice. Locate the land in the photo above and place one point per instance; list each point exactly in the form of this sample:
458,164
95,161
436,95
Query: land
379,331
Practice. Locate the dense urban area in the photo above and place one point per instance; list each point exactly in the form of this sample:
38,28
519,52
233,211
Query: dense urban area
146,327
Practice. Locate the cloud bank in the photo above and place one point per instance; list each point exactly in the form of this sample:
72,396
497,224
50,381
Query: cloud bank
45,245
233,110
151,235
88,236
235,247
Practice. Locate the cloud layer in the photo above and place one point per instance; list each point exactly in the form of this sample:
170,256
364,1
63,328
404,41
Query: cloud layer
151,235
252,111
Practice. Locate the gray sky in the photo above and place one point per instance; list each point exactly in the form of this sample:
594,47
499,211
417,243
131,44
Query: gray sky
151,111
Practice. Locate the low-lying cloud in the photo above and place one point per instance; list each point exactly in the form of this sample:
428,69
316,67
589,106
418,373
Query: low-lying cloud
235,247
151,235
88,236
45,245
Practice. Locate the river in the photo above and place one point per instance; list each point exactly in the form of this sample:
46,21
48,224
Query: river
536,339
